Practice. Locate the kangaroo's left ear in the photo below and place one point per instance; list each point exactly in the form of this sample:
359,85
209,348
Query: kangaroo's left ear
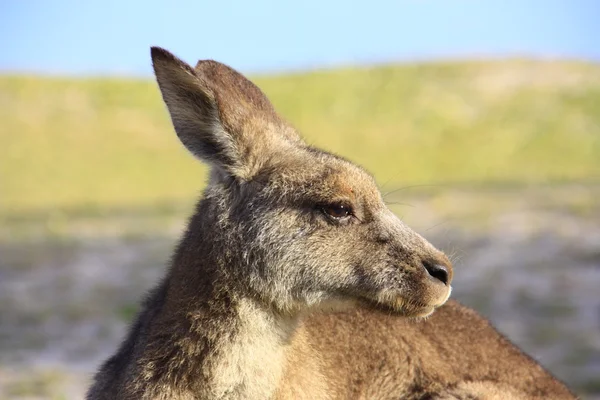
220,116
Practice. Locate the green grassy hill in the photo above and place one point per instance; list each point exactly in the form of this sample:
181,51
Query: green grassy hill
105,143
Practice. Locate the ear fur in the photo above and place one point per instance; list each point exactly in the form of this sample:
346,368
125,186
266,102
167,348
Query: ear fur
219,115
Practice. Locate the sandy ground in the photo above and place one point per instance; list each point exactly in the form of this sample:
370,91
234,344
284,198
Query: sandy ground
528,258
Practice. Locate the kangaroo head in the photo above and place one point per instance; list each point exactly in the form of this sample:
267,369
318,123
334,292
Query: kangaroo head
294,226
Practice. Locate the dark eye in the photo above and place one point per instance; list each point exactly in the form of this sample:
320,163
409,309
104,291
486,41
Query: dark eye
337,211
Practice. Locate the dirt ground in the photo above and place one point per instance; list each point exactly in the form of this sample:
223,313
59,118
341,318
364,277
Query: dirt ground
526,257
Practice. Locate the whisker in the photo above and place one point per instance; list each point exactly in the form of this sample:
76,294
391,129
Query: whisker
411,187
436,225
397,203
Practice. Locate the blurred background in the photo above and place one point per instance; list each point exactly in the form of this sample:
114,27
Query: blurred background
479,119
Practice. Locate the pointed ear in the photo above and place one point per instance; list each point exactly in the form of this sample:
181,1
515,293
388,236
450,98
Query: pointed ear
220,116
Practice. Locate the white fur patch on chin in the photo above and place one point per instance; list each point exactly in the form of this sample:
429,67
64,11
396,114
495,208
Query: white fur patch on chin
447,296
425,315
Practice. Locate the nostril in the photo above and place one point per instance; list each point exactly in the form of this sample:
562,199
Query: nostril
437,271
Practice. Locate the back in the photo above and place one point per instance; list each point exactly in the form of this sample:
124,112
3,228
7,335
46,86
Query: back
454,353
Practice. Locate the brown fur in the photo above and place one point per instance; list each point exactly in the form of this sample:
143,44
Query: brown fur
294,281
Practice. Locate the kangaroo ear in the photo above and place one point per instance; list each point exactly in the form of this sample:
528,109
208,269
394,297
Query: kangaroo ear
220,116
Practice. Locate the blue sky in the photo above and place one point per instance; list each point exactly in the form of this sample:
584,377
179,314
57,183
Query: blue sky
113,36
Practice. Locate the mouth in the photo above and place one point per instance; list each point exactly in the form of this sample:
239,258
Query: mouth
404,309
393,302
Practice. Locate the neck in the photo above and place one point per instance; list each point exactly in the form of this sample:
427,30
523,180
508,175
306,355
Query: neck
249,363
211,341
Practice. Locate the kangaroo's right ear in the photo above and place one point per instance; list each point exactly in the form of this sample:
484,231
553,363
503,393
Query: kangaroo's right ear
220,116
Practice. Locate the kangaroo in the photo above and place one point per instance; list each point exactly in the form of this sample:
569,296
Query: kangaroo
293,279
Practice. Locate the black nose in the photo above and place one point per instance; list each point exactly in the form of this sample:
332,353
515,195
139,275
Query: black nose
437,271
